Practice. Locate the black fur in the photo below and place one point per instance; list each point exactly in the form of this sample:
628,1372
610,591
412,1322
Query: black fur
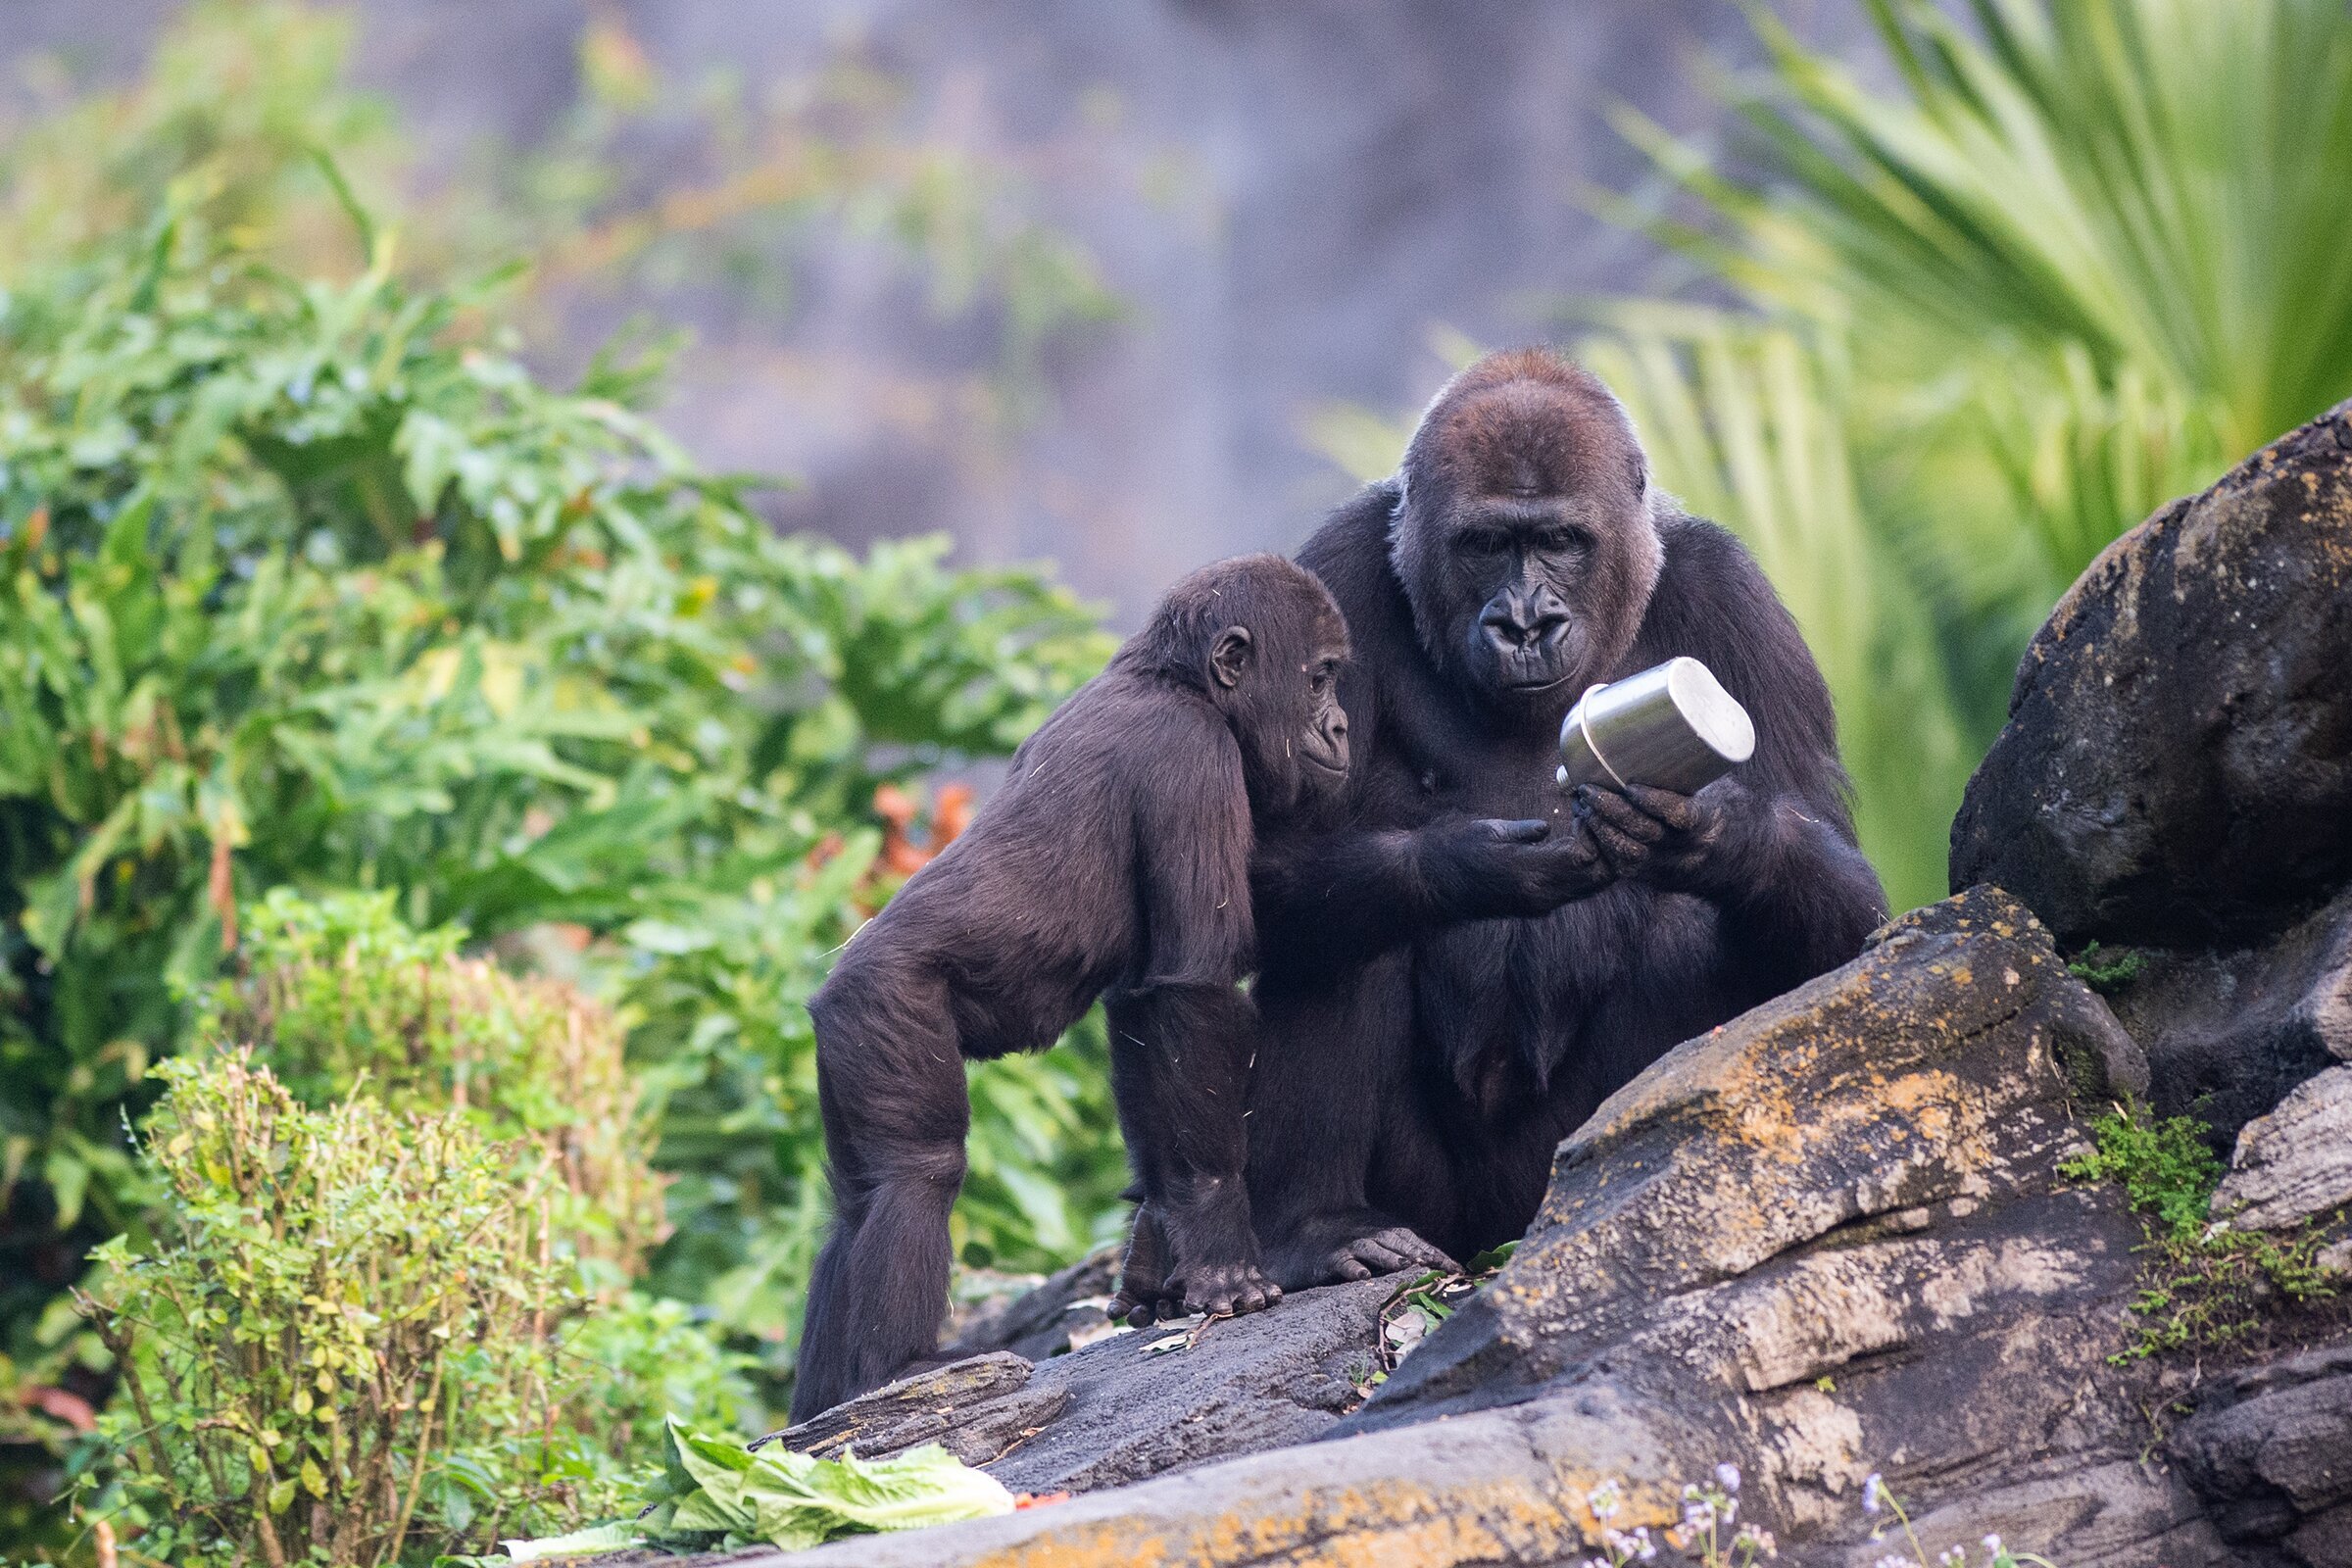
1456,964
1113,863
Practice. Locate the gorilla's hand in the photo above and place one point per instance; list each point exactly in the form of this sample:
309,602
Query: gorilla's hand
1389,1251
1688,842
1492,869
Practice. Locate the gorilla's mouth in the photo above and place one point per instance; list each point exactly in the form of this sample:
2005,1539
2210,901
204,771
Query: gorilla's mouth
1533,683
1325,763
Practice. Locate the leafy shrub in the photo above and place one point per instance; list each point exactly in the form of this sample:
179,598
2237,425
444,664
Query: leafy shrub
341,996
312,584
341,1336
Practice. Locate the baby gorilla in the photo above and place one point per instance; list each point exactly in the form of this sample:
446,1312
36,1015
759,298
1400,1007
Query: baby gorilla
1114,863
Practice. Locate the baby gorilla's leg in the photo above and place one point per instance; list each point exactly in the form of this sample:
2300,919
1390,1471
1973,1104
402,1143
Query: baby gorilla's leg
890,1083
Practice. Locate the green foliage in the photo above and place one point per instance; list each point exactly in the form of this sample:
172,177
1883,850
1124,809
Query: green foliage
2210,1285
340,1336
2164,1167
312,584
2074,261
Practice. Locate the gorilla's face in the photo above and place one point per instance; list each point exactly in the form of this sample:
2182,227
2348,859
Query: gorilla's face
1284,696
1525,542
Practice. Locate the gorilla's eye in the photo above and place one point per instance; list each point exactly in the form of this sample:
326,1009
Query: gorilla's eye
1564,541
1481,542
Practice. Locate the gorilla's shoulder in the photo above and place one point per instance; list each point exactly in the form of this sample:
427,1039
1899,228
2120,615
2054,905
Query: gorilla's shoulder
1709,580
1700,552
1349,553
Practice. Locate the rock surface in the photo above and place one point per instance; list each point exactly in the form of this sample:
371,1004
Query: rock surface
1140,1403
2177,764
2230,1031
2295,1164
2272,1451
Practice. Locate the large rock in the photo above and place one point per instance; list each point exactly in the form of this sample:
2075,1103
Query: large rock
1828,1239
2177,764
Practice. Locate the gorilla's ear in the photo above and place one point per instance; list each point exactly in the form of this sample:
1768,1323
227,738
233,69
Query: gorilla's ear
1637,473
1230,656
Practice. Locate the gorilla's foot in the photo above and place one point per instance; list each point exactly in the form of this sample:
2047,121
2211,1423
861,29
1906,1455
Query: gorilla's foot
1226,1290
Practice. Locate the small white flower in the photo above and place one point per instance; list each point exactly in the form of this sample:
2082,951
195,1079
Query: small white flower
1607,1500
1958,1557
1727,1476
1872,1485
1731,1510
1993,1544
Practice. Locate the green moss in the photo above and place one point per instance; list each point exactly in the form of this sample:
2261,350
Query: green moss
2165,1169
2104,971
2207,1288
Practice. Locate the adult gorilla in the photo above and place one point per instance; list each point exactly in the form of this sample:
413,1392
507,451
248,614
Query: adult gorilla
1456,965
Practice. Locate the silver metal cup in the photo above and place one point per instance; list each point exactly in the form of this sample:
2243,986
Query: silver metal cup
1671,727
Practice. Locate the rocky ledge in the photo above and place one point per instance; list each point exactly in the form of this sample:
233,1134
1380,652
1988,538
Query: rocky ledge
1870,1228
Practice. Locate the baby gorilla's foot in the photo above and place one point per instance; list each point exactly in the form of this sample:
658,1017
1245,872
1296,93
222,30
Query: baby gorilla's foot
1226,1290
1143,1276
1387,1252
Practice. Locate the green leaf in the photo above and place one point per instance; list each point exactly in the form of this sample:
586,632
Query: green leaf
612,1537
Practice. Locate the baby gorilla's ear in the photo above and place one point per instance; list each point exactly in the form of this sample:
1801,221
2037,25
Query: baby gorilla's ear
1230,656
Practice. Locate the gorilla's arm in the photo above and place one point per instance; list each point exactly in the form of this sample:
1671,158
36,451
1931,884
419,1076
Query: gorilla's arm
1342,897
1182,1030
1774,844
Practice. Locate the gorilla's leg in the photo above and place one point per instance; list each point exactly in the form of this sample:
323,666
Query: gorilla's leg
1335,1059
1179,1072
889,1084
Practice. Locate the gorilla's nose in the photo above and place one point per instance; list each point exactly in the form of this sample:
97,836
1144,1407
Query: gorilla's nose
1516,622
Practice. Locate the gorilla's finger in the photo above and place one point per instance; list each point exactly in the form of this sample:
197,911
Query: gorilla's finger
1678,812
1620,851
1347,1268
1521,831
1617,811
1381,1259
1408,1242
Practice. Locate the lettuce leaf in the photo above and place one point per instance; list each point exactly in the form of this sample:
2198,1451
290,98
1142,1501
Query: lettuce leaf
715,1488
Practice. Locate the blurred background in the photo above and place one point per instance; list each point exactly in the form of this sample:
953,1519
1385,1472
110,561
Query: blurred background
609,464
1069,280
